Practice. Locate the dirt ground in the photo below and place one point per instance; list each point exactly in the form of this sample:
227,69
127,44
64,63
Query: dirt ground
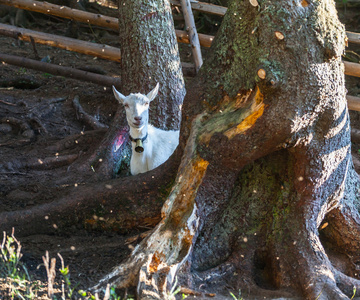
36,111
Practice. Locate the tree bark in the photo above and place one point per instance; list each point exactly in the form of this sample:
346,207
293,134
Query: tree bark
151,56
266,166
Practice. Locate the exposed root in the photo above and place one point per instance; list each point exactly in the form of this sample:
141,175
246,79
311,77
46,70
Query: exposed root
17,142
74,141
21,82
113,198
350,286
51,162
85,117
38,125
22,125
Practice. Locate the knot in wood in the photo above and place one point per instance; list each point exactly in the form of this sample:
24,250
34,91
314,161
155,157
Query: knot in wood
261,73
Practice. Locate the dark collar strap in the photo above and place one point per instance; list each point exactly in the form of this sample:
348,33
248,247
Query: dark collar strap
142,139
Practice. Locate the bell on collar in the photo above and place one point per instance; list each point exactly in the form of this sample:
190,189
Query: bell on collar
139,146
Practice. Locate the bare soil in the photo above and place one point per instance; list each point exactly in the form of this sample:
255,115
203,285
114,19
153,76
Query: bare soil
36,112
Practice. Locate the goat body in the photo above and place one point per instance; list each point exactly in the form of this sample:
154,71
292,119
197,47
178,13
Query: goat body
158,144
158,147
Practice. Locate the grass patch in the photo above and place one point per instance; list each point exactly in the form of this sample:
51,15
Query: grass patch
17,283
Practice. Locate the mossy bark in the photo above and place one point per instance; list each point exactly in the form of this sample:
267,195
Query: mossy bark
267,165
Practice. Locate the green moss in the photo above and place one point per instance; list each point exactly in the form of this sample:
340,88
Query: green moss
236,49
260,199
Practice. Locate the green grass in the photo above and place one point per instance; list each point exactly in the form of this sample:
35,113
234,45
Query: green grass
17,283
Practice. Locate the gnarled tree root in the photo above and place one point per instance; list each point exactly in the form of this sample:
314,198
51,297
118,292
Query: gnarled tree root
108,205
85,117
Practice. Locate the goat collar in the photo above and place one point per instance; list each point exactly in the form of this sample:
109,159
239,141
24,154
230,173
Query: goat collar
139,146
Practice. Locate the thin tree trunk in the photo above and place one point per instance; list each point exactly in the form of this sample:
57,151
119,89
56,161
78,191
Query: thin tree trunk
151,56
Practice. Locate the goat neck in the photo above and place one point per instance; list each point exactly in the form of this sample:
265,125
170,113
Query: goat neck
138,133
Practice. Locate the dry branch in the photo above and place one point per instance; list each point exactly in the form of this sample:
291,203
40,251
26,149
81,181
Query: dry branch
59,70
102,51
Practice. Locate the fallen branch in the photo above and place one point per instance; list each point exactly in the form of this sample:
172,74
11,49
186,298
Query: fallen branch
59,70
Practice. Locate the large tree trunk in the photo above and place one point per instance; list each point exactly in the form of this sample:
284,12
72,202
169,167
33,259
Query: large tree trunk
267,165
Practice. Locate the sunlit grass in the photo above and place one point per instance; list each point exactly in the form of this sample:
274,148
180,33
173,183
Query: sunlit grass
17,283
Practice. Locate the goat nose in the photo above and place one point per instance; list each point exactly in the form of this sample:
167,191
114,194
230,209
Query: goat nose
138,118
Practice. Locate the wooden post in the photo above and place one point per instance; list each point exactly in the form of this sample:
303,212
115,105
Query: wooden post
193,36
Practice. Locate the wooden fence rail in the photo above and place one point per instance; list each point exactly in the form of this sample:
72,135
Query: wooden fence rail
112,53
60,70
112,23
102,51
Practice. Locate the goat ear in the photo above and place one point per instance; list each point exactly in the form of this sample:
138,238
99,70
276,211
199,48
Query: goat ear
153,93
120,97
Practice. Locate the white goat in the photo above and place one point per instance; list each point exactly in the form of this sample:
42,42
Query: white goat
151,146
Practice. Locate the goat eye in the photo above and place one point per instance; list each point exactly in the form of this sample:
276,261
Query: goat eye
146,103
126,105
